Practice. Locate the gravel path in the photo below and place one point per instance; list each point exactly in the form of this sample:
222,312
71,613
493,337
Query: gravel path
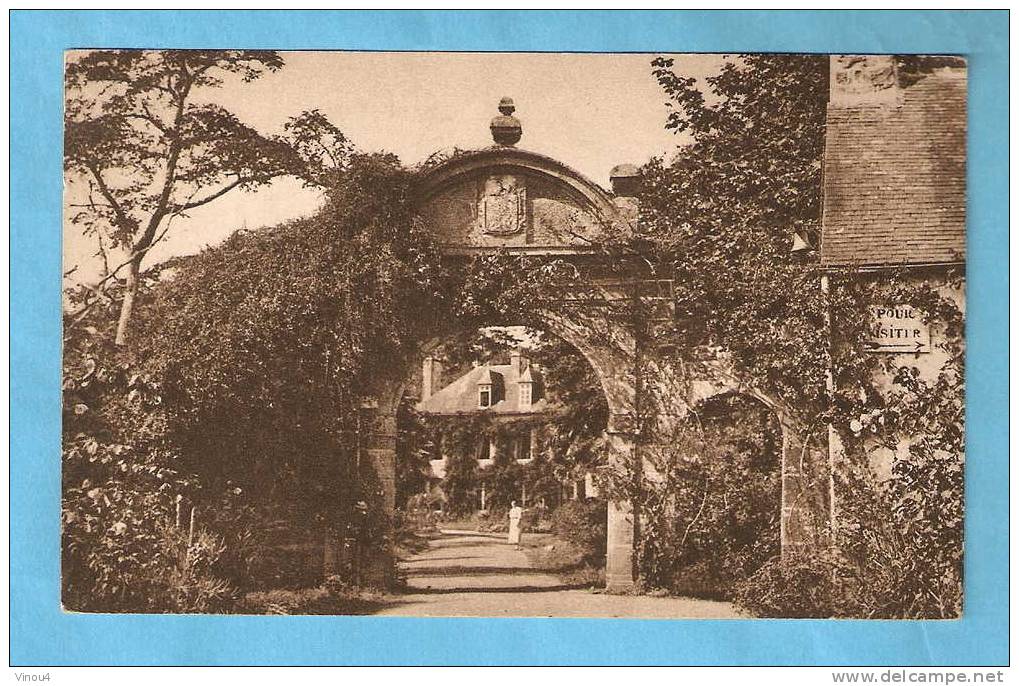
471,574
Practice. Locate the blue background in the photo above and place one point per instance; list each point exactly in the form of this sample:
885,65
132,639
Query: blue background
41,634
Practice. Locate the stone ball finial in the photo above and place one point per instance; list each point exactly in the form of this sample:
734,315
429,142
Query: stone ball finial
506,128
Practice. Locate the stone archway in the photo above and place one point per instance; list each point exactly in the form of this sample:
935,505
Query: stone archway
507,201
513,201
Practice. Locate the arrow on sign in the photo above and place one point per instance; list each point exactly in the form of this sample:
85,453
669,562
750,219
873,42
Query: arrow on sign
873,345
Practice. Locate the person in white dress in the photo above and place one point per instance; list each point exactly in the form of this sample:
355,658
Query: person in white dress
515,514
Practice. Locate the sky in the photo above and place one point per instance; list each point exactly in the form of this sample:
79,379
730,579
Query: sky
590,111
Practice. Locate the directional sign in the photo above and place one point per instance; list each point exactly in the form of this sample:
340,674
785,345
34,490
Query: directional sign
898,329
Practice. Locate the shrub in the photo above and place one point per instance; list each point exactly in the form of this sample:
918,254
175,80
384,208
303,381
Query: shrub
711,501
569,562
531,520
122,481
583,523
414,519
282,601
461,484
335,596
799,588
150,566
189,584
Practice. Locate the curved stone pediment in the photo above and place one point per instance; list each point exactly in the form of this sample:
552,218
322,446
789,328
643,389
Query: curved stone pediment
505,198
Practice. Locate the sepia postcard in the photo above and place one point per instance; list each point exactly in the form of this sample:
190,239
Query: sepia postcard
604,335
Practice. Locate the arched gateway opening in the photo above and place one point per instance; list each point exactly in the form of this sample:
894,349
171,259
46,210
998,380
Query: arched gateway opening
495,418
612,378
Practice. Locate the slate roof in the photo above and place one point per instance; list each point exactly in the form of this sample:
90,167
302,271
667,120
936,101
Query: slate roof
461,396
895,178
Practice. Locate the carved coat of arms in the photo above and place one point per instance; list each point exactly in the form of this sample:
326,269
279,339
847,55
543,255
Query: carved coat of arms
502,207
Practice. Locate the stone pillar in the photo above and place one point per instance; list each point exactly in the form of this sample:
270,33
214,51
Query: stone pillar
380,448
619,567
805,492
431,377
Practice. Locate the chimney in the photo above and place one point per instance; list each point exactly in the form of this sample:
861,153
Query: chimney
863,80
625,180
518,361
431,377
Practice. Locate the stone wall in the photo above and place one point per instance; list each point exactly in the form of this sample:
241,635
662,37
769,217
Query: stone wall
929,363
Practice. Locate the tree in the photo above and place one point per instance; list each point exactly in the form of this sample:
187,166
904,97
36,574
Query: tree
721,219
146,150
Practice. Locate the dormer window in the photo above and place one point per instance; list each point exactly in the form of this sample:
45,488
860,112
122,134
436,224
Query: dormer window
486,388
526,389
525,395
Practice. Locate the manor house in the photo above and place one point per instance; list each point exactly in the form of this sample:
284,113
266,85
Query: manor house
511,395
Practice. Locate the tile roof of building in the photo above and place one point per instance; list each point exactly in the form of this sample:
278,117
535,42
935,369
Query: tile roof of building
895,178
461,396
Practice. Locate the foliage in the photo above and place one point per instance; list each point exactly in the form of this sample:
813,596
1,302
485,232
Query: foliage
190,581
720,220
503,480
584,524
573,564
142,146
120,481
415,446
901,542
244,396
461,484
127,542
334,597
800,588
271,343
710,509
266,545
543,480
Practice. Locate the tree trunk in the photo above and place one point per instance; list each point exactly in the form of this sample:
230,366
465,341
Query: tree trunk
127,305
